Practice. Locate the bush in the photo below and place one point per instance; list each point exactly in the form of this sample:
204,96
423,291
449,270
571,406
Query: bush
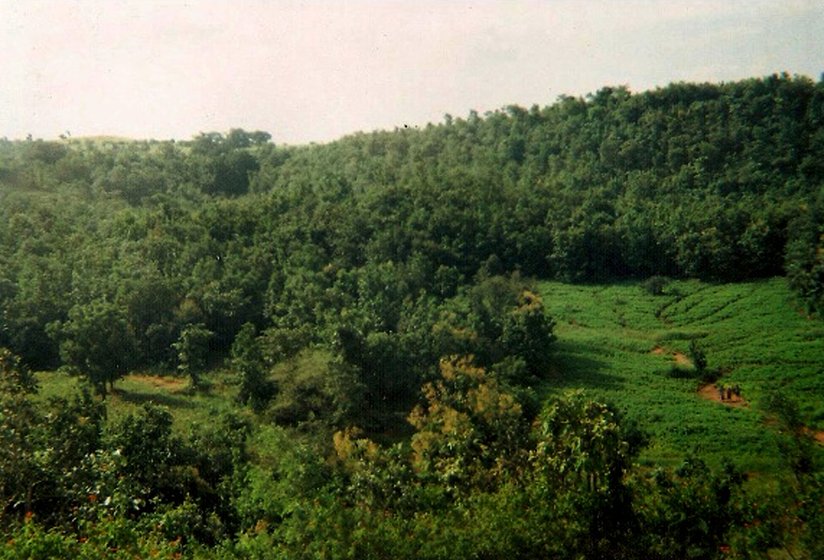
655,285
698,357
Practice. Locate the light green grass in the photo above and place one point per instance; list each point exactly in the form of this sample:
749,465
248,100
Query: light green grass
751,332
189,408
53,384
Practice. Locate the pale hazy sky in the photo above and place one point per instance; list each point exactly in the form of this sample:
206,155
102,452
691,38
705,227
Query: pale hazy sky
315,70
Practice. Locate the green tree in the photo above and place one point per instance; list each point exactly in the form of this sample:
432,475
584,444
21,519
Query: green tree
584,451
193,351
247,359
21,471
690,512
698,357
15,376
804,260
655,285
97,341
527,333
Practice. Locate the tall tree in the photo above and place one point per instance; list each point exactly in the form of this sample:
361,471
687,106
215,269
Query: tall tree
193,351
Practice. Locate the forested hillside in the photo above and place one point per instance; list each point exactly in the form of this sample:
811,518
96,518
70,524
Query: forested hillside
382,288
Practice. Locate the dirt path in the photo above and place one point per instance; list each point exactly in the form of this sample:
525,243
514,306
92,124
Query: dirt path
711,393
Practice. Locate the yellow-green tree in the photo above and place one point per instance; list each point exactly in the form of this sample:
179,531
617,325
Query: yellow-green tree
470,432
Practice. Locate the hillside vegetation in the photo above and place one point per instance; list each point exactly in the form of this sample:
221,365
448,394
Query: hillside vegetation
633,349
350,350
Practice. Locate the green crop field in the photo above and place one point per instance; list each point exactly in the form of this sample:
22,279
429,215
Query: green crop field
620,343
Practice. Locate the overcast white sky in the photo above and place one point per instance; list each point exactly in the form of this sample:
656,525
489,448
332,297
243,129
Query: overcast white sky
315,70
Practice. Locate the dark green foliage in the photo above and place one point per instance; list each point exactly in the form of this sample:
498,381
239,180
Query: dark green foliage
527,333
43,462
805,254
188,481
698,357
470,431
315,392
584,451
803,498
688,180
247,359
227,163
576,494
501,321
15,376
688,512
796,445
655,285
109,538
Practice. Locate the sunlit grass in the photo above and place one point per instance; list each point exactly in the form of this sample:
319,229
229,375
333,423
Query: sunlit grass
190,408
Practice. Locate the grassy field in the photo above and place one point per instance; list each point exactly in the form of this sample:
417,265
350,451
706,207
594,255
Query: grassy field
189,408
621,344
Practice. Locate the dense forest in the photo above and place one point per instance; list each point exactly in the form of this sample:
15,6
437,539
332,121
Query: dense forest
395,274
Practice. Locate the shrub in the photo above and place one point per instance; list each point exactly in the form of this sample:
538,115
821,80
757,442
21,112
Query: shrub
655,285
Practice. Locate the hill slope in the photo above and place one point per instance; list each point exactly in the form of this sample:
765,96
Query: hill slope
622,344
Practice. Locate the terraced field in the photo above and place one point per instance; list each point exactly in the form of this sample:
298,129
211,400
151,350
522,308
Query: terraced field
624,345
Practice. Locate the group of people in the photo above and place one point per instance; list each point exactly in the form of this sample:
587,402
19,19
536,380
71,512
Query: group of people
726,392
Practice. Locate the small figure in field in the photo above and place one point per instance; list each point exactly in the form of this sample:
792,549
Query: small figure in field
720,391
736,390
729,393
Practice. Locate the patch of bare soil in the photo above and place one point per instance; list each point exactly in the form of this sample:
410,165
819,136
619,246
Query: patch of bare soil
679,358
711,392
161,382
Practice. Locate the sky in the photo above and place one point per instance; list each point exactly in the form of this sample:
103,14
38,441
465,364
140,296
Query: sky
315,70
